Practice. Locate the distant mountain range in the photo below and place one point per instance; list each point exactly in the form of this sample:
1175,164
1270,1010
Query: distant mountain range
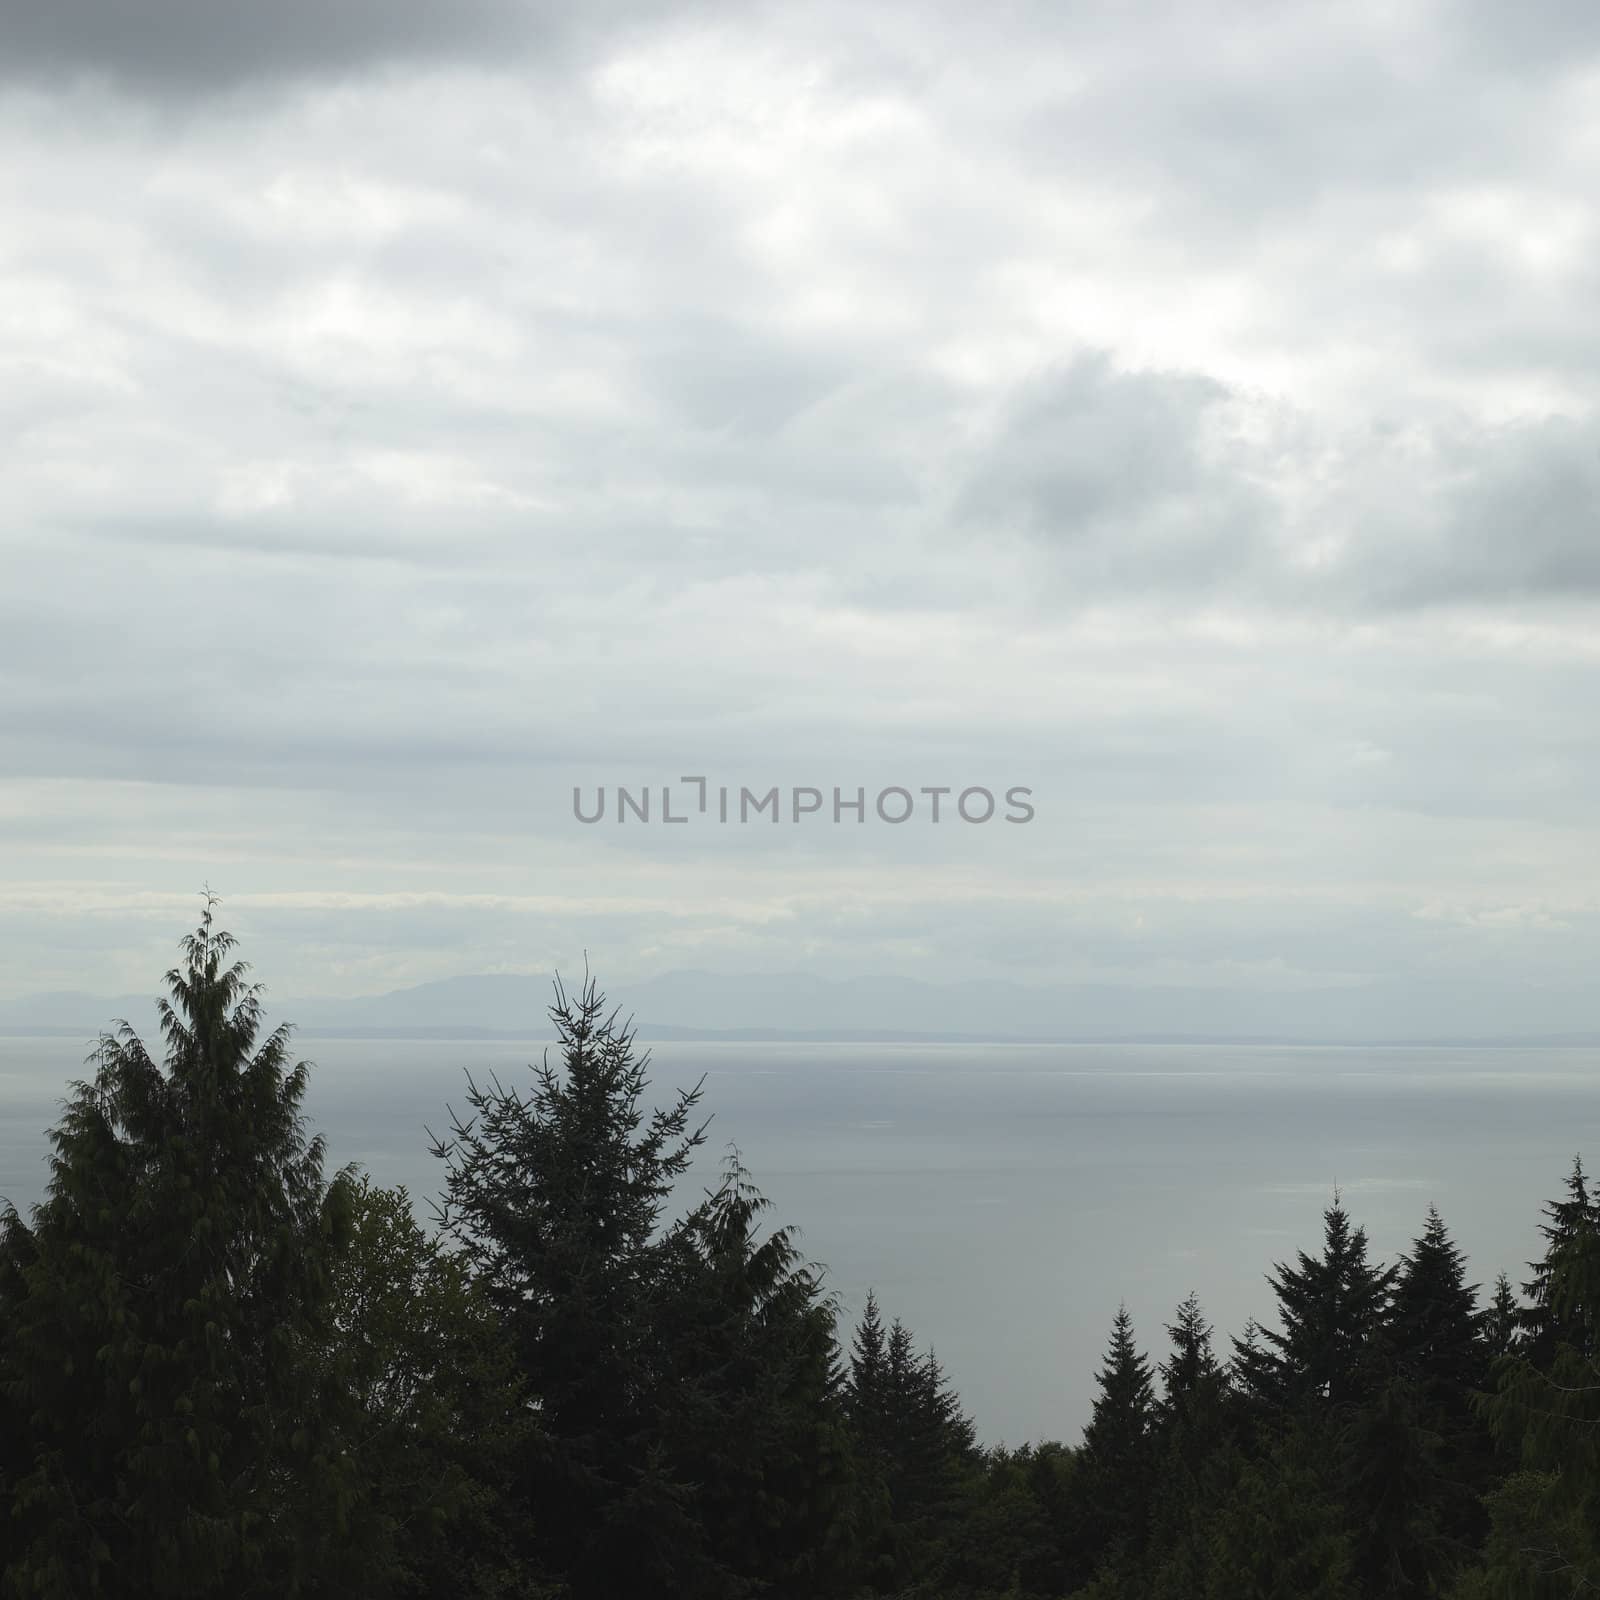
801,1007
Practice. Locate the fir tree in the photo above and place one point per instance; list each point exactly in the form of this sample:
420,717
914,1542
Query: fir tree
1545,1328
1331,1310
557,1199
1190,1431
1118,1447
1437,1345
1435,1324
866,1392
756,1415
1502,1322
1190,1377
1545,1535
917,1447
168,1312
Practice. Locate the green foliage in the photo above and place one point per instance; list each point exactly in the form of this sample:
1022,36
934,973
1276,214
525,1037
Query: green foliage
166,1313
1278,1531
1502,1322
755,1417
1112,1500
916,1453
1332,1309
1549,1320
444,1412
1545,1520
556,1199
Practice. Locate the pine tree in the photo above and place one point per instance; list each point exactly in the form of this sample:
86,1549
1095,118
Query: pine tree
557,1199
1190,1377
1545,1328
1440,1363
1502,1322
753,1414
1545,1535
1190,1430
1435,1325
1119,1428
917,1449
866,1392
168,1312
1118,1447
1332,1311
1253,1378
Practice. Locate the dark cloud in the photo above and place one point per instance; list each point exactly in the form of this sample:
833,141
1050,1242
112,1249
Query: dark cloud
1173,484
189,47
1535,33
1523,521
1127,477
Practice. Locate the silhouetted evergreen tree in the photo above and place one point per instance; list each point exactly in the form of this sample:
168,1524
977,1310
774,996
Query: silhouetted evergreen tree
1545,1533
917,1449
1546,1327
1502,1322
1441,1363
1331,1309
1190,1431
755,1419
1191,1380
866,1391
1119,1450
557,1200
167,1314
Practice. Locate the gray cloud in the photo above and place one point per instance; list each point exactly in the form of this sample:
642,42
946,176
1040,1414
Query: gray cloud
1125,476
187,48
1160,482
1197,427
185,45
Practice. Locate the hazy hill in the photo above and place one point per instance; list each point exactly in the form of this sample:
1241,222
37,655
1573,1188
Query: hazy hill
694,1004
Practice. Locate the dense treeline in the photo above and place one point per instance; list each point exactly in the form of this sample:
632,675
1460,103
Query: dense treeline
222,1373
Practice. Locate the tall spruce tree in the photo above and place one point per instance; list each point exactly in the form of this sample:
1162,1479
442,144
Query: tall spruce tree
1190,1376
1545,1534
1441,1364
558,1199
1331,1310
916,1446
756,1419
866,1390
1501,1330
1434,1322
168,1310
1190,1433
1545,1326
1119,1448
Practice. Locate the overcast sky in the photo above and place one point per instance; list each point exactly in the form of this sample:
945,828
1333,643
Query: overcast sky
1184,410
